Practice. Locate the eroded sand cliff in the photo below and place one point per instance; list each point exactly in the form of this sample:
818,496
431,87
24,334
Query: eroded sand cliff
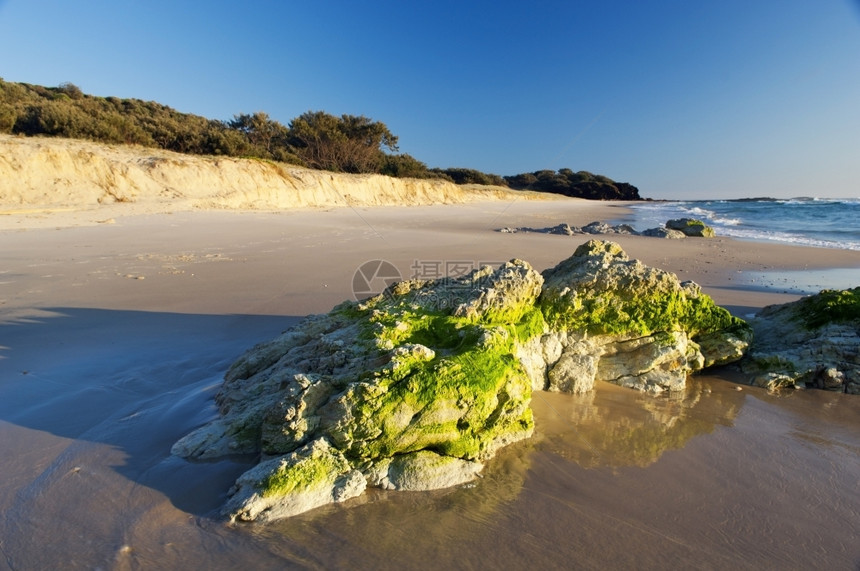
47,173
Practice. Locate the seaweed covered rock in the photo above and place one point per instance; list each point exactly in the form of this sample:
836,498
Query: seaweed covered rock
416,388
312,476
812,342
691,227
614,319
411,389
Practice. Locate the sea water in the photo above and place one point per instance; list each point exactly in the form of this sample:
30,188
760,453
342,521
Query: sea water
818,222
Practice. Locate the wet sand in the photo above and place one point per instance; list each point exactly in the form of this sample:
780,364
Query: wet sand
114,338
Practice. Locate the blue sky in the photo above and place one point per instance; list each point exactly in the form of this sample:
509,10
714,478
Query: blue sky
685,99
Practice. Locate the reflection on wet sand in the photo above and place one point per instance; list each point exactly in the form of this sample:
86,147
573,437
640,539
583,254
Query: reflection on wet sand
615,427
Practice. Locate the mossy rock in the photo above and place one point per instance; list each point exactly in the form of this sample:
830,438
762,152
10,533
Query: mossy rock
812,342
829,306
691,227
424,373
631,324
310,477
600,291
417,387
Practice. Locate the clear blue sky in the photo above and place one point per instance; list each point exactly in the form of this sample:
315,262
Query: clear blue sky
683,98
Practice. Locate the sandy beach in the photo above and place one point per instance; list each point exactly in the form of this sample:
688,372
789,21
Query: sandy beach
115,331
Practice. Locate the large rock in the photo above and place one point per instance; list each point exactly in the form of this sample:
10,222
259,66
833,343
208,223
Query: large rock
613,319
412,389
813,342
691,227
416,388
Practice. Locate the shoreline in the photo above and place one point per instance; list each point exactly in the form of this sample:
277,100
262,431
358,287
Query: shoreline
155,245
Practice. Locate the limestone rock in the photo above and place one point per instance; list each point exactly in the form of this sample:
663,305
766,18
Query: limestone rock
422,470
663,233
310,477
675,229
813,342
630,324
691,227
596,227
416,388
412,389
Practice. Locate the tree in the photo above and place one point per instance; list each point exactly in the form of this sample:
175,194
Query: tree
521,181
260,130
348,143
70,89
471,176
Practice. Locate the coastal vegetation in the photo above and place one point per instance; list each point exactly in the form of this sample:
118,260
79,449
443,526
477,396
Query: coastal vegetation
315,139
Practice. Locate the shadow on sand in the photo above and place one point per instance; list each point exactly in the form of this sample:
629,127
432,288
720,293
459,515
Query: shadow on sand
132,380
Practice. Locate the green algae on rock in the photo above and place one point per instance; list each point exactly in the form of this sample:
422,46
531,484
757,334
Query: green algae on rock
691,227
411,389
310,477
416,388
618,320
812,342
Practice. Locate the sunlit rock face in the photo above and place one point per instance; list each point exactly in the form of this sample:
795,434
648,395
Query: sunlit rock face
613,319
416,388
411,389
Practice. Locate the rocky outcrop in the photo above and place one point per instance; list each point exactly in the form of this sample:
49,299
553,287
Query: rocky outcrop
691,227
411,390
663,233
813,342
674,229
592,228
416,388
613,319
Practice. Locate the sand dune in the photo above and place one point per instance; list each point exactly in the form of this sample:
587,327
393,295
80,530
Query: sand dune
49,174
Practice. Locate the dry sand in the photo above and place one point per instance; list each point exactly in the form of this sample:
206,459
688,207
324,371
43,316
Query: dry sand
114,337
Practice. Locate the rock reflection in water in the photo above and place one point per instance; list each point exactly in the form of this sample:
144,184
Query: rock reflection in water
615,427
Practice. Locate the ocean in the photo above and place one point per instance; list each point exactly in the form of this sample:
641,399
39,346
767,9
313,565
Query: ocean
818,222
